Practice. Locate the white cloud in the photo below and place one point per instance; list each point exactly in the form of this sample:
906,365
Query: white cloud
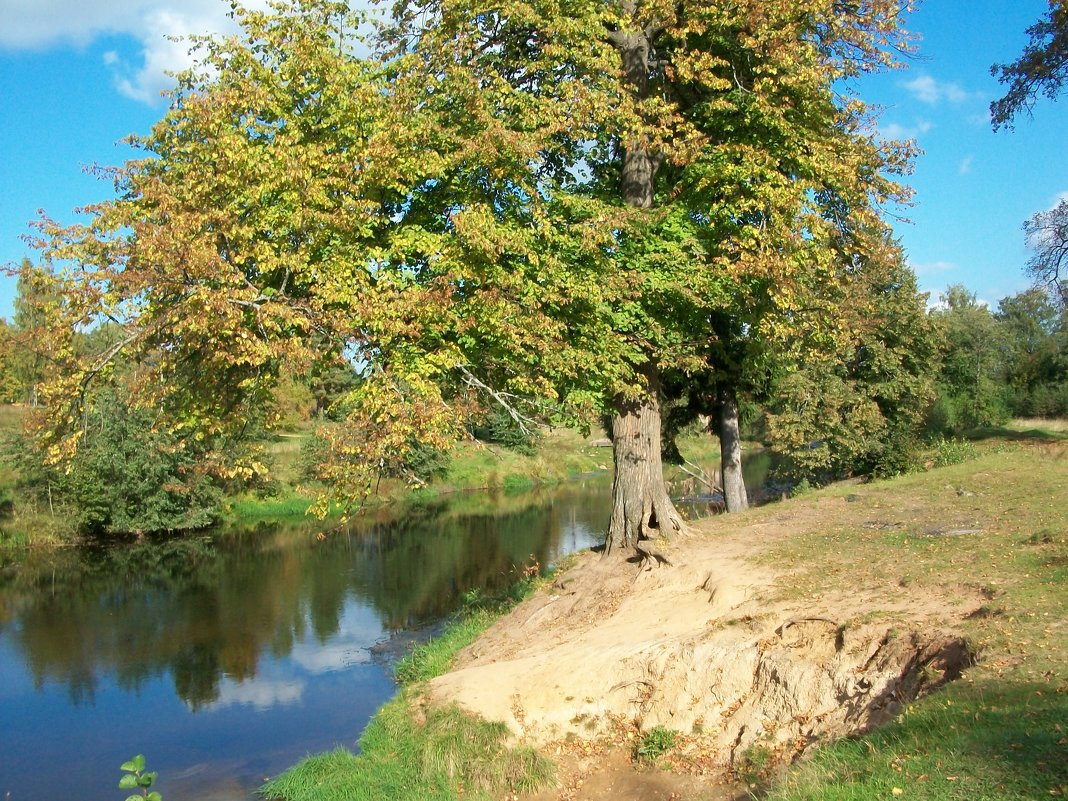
153,24
163,52
262,694
316,658
38,24
933,92
966,165
900,132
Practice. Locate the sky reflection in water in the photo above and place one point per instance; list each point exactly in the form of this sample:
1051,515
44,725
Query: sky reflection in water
227,659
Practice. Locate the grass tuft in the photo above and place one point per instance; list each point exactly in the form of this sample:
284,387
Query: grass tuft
435,656
655,743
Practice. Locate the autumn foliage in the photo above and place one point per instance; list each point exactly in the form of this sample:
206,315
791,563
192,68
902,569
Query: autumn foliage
538,205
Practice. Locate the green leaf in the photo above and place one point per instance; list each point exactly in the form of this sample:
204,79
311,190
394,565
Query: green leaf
147,779
135,765
154,796
128,782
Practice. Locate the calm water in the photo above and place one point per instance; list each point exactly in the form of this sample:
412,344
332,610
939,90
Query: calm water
225,659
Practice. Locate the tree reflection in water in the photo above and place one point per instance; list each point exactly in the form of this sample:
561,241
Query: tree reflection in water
208,609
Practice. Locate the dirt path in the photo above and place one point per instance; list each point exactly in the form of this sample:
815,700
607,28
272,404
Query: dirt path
749,662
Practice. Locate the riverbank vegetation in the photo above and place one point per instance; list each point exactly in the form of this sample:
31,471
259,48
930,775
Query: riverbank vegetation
987,368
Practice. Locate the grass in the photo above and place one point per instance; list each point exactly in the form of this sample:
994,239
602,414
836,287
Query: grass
988,741
425,753
995,527
560,454
434,754
435,657
246,508
1039,424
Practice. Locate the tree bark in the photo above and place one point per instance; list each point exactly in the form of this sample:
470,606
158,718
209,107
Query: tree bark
730,448
641,505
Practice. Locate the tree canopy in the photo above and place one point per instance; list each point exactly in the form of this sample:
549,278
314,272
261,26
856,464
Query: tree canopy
1047,238
1041,69
540,204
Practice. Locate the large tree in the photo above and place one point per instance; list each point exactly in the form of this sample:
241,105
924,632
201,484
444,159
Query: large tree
295,208
701,148
540,202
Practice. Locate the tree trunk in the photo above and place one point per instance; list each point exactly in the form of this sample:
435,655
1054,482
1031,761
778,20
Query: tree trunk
730,448
641,505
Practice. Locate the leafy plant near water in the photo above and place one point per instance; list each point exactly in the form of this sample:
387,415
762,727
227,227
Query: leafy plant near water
135,777
125,477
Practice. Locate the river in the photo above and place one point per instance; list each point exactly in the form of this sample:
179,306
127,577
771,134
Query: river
227,658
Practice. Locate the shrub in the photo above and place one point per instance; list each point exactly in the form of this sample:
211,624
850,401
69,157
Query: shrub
125,477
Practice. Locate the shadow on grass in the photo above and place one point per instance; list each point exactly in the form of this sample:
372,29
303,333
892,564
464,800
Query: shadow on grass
1016,435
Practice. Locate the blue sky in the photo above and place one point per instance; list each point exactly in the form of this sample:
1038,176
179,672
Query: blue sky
77,76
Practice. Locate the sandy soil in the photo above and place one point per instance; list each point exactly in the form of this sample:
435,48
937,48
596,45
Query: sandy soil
718,646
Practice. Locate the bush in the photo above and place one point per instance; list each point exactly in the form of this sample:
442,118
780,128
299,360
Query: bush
1046,400
125,477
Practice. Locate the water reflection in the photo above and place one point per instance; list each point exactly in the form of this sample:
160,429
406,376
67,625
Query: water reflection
695,501
259,643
